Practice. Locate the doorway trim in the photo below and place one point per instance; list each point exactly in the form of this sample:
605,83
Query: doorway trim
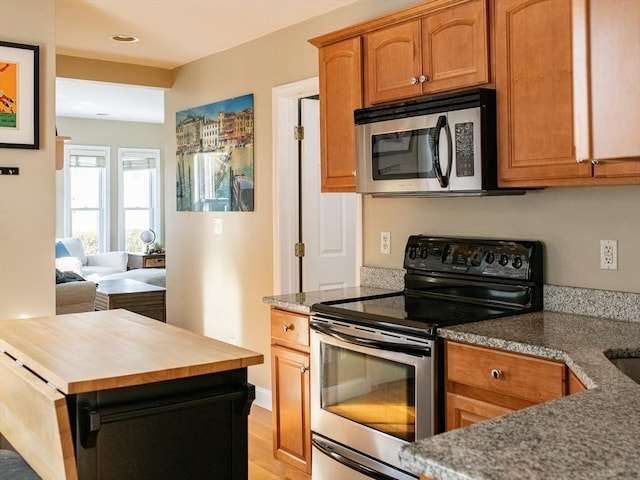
285,174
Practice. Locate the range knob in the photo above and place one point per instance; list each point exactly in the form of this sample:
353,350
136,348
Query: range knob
504,259
413,253
517,262
490,258
424,253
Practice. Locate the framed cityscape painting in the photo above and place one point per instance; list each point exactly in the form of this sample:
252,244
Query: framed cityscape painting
215,157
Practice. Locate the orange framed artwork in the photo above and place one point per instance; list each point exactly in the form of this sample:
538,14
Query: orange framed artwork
19,95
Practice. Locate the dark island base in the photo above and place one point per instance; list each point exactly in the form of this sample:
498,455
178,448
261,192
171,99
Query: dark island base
194,427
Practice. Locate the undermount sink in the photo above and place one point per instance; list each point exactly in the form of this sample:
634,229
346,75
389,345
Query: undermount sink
630,366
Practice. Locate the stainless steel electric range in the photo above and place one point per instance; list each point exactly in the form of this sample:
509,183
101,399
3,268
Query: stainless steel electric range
377,375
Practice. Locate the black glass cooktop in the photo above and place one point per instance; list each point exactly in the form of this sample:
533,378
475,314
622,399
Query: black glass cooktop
418,315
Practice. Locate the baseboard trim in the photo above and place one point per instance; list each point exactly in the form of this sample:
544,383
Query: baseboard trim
263,398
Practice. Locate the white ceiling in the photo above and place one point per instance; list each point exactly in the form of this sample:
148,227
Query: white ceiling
171,33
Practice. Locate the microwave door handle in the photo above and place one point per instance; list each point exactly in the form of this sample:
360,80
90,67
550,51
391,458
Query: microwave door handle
443,179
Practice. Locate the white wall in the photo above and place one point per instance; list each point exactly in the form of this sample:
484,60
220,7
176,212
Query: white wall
26,201
116,135
570,221
215,283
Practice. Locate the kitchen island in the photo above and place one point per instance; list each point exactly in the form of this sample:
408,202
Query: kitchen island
594,434
145,399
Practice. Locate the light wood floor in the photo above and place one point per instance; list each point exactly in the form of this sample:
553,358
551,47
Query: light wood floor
262,465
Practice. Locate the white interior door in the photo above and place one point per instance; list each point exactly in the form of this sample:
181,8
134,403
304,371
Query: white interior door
328,220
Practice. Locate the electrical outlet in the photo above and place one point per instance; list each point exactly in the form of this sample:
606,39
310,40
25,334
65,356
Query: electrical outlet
385,242
609,254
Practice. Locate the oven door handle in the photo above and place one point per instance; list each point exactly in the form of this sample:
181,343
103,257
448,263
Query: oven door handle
421,350
369,472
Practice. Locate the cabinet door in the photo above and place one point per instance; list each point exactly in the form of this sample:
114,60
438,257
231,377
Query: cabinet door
393,63
534,88
615,89
464,411
455,50
340,94
290,390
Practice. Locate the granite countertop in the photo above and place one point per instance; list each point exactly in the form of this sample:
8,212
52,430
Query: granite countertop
302,302
593,434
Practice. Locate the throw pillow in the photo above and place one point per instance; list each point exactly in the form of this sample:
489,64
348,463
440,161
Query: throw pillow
66,277
61,250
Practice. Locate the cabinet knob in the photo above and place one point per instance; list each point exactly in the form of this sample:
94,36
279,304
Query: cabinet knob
495,373
423,78
286,328
303,369
414,80
594,161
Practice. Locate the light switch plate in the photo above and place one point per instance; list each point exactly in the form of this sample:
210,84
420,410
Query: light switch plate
217,226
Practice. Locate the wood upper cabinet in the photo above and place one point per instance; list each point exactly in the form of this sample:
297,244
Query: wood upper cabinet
340,81
614,45
444,50
534,93
290,388
568,101
483,383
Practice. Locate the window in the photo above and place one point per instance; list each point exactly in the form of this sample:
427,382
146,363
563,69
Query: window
139,195
86,207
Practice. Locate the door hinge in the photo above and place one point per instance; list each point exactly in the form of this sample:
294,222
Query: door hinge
298,132
299,249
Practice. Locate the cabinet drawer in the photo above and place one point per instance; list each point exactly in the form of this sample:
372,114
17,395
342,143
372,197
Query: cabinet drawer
533,379
289,327
157,262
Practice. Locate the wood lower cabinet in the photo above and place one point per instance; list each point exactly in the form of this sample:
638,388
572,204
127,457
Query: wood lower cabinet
483,383
444,50
290,388
574,385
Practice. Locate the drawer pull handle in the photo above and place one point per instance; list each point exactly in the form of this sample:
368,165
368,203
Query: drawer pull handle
303,369
286,328
495,373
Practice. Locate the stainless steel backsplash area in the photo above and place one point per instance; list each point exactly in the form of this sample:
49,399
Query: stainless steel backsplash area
557,298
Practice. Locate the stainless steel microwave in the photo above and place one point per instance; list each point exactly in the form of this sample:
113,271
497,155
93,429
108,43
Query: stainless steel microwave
436,145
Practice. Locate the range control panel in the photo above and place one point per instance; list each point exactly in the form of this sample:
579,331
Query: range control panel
510,259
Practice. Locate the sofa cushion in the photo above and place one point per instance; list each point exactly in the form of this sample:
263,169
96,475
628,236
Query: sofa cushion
69,264
61,250
75,248
96,272
152,276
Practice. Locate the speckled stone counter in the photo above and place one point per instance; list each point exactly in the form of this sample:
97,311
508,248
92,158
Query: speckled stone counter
302,302
589,435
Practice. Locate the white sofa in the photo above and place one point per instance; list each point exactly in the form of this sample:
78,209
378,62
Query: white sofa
92,267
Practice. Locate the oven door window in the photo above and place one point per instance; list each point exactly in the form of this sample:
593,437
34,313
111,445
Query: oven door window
369,390
402,155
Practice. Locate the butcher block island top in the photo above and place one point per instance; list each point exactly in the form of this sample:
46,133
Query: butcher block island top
93,351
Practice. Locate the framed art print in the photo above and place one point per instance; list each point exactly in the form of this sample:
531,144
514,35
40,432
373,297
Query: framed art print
19,101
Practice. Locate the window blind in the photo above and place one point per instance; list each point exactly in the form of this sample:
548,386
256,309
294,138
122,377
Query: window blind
87,158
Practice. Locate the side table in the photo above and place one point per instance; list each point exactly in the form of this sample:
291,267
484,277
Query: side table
145,260
138,297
